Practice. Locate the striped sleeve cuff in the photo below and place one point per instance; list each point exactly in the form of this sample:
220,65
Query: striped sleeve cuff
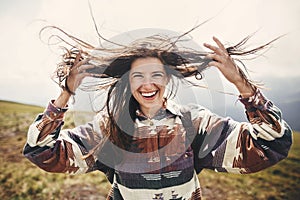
51,119
256,101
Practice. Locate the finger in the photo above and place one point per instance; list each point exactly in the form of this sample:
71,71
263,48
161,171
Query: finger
78,56
220,44
88,66
82,62
216,57
86,74
214,48
83,68
215,64
79,79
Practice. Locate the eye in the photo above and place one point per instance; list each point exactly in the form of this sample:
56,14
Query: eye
137,75
158,75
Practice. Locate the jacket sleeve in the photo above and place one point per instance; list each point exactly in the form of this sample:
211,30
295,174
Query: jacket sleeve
56,150
225,145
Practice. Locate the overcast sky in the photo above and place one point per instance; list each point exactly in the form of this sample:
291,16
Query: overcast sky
27,63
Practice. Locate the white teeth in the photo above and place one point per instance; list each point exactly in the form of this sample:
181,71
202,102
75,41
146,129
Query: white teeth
148,94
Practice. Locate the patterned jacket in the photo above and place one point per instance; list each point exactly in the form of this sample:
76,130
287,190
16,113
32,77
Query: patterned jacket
167,152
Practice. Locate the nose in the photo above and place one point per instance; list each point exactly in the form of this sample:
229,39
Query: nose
147,82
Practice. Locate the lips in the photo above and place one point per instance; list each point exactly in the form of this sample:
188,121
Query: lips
149,95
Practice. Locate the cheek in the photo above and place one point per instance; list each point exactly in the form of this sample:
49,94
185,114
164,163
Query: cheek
162,89
162,84
133,87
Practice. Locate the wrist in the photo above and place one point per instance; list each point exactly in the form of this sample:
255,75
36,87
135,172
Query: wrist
52,107
65,93
63,99
67,89
245,88
256,101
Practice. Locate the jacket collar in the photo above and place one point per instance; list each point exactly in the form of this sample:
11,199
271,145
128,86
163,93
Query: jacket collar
170,108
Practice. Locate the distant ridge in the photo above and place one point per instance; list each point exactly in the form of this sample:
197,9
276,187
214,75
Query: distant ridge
19,103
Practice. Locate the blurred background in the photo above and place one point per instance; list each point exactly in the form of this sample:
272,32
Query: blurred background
27,64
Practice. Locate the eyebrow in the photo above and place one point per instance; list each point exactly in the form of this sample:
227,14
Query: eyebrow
138,72
158,72
135,73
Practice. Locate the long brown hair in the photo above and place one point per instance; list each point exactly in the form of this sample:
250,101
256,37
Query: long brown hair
121,105
111,66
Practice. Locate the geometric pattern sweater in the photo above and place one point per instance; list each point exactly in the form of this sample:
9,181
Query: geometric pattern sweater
166,152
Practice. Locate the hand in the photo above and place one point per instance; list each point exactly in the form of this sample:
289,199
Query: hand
77,74
74,79
223,61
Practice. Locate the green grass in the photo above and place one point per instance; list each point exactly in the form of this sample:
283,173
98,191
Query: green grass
20,179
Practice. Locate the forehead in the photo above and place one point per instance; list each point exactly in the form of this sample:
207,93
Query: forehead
146,65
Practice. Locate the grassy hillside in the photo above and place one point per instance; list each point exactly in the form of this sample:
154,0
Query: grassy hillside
20,179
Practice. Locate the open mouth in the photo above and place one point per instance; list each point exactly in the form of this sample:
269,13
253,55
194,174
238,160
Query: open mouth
149,95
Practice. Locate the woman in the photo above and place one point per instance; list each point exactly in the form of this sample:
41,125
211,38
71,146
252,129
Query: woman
148,146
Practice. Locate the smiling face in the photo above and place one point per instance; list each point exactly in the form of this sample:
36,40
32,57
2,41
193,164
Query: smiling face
148,80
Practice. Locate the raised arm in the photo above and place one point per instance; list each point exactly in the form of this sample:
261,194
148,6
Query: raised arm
229,146
56,150
225,145
225,64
